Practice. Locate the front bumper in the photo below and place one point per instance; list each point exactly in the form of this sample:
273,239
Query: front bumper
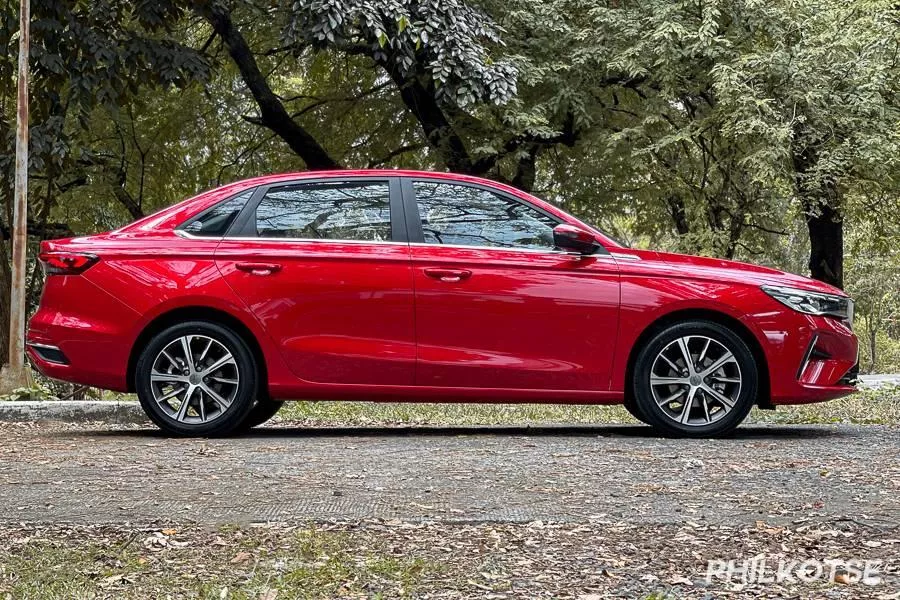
811,358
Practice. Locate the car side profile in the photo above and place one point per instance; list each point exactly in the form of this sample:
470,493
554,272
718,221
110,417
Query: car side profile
389,285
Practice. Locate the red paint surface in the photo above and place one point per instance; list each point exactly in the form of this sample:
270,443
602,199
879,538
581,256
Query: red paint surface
399,321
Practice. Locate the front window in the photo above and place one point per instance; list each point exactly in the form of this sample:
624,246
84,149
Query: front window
465,215
355,211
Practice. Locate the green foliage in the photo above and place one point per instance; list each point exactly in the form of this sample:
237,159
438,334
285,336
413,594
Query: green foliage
446,41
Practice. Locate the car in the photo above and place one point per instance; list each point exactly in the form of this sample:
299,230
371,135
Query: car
390,285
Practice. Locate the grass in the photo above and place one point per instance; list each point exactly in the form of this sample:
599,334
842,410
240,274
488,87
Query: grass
234,563
881,406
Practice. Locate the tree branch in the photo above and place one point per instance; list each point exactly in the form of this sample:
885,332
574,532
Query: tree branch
46,231
393,154
272,112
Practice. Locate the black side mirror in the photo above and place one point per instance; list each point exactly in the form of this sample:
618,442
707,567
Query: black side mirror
574,239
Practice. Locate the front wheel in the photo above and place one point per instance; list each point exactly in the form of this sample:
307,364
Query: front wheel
695,379
196,379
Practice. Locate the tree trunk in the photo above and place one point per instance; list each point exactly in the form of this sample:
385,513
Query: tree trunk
826,242
5,283
873,338
679,214
526,169
821,203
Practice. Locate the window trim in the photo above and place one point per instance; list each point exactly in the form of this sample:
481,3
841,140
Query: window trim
414,218
181,228
244,226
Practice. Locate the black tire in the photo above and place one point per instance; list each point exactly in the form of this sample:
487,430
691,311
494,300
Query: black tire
228,419
633,410
744,393
261,412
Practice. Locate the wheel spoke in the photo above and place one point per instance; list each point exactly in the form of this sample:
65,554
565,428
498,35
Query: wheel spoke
705,406
723,360
170,359
202,406
225,360
656,380
209,344
725,379
686,353
686,409
186,348
728,402
171,394
227,380
157,377
222,402
185,403
703,353
671,398
675,367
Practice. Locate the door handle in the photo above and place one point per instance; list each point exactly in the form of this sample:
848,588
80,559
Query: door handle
448,275
258,268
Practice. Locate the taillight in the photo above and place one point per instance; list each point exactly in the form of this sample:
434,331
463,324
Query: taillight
66,263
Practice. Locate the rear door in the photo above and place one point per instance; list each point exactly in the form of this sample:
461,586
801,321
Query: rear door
324,266
497,306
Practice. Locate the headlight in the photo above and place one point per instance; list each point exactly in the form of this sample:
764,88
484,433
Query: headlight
812,303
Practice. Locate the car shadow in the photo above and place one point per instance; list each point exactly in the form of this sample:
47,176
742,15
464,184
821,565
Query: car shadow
749,432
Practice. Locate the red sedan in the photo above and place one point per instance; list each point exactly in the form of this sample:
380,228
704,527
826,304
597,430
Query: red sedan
402,285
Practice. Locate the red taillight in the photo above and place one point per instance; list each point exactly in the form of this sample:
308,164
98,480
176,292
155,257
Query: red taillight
66,263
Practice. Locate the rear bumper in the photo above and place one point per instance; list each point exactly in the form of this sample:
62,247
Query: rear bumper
83,341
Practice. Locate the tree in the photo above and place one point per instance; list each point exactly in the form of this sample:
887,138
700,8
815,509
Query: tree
84,55
818,81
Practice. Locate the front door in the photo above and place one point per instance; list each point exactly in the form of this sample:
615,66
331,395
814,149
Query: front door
496,305
322,267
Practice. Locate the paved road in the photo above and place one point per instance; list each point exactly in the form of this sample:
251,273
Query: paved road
94,474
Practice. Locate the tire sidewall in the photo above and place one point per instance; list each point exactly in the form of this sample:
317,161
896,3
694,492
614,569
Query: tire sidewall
243,400
644,363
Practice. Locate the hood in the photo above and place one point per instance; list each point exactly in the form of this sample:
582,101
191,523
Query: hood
684,265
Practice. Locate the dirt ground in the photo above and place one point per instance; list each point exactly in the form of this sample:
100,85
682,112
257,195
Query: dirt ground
564,511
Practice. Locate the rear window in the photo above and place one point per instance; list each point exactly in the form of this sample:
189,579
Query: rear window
215,221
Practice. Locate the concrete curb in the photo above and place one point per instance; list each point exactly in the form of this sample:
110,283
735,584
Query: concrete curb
876,381
72,411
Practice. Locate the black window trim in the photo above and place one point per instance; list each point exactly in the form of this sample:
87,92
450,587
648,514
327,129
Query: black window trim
182,228
414,219
244,226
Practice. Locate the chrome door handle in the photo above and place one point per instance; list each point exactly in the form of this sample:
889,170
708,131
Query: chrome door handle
258,268
448,275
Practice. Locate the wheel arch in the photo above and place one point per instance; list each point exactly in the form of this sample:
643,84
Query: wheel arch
197,313
764,395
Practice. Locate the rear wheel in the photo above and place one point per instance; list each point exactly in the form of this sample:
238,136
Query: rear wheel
196,379
695,379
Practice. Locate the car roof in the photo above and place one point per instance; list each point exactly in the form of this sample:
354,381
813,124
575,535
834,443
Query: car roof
336,173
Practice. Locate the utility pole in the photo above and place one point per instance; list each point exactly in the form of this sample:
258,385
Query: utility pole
15,374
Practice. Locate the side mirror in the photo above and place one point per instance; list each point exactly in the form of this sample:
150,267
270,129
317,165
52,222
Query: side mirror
574,239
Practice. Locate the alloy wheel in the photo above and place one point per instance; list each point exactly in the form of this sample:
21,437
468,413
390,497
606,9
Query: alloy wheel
695,380
194,379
